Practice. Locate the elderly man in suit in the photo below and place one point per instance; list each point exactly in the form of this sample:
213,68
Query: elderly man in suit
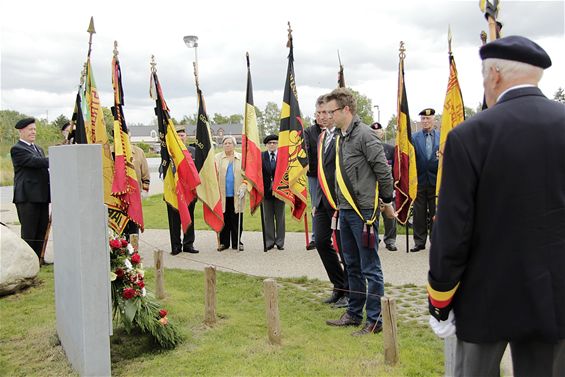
273,208
31,185
426,146
498,249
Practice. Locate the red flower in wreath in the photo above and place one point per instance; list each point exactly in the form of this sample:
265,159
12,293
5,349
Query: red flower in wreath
140,284
124,242
115,244
120,272
135,258
128,293
163,313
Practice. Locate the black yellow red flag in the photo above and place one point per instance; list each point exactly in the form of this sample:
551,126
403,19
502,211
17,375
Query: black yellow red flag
289,183
180,177
405,175
251,163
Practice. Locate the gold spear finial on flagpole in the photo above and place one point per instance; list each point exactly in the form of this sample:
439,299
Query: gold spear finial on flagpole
402,50
91,31
116,53
289,42
153,64
449,36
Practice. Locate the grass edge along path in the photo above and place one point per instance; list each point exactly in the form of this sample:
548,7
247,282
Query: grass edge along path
236,345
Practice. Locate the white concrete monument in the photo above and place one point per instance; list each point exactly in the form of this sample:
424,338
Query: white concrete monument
82,261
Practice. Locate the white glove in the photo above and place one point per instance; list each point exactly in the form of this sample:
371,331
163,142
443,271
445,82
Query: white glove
443,329
144,194
242,190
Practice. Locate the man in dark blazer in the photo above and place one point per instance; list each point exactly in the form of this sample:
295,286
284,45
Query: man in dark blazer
426,146
31,185
326,214
187,243
497,259
273,208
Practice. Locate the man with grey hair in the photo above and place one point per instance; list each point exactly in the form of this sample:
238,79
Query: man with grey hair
363,176
498,246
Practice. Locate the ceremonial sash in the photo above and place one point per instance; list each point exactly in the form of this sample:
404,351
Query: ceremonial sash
321,173
346,189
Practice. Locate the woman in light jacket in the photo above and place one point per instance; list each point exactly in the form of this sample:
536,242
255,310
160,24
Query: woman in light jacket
232,189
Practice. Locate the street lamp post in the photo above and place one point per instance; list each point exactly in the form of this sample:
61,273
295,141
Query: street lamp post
191,41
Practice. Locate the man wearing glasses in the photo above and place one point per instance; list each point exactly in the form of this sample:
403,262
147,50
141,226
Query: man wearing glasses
360,165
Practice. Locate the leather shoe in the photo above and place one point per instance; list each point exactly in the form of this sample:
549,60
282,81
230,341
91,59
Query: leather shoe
369,328
336,295
191,250
280,247
240,247
311,246
417,248
344,320
222,247
343,302
176,252
391,247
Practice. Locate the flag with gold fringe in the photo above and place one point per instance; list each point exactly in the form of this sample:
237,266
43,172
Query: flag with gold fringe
180,177
125,186
405,176
251,162
289,183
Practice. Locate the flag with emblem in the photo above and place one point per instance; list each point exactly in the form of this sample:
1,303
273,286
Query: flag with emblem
180,177
405,176
251,162
125,186
289,183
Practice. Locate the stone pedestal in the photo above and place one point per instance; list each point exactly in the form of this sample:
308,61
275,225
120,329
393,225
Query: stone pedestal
82,261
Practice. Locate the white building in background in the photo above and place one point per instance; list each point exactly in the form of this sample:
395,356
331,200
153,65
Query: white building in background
150,134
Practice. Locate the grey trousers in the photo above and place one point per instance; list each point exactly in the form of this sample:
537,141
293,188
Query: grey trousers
531,358
274,222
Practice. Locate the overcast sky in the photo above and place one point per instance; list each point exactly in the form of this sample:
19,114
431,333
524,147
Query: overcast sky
44,45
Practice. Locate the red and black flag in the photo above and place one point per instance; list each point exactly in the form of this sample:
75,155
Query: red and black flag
77,127
251,162
125,186
209,190
289,183
405,175
180,177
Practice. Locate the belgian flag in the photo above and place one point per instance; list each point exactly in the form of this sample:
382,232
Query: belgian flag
405,175
289,183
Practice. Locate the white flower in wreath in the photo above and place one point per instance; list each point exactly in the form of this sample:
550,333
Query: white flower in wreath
143,292
130,249
128,265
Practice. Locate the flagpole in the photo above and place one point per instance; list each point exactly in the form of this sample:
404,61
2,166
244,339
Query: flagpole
263,228
91,31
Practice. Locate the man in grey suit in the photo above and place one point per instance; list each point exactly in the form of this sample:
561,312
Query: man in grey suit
273,208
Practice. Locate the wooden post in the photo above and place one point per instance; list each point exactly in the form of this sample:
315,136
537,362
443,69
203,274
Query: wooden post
272,311
210,295
390,336
134,241
159,274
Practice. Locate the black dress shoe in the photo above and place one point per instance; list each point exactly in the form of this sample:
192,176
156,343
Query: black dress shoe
311,246
344,320
280,247
222,247
191,250
369,328
391,247
176,252
336,295
417,248
241,247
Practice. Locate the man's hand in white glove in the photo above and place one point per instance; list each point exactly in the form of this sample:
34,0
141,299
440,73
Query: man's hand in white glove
443,329
242,190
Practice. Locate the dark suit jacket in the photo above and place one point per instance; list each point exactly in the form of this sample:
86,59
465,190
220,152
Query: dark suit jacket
328,160
427,169
389,154
311,136
268,175
500,223
31,174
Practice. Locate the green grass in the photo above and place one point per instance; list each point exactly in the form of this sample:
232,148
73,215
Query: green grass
155,217
236,345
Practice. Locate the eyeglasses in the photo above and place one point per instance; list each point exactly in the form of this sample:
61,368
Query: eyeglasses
331,112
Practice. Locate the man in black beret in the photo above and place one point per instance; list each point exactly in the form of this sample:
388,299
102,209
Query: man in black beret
426,146
31,185
498,248
273,208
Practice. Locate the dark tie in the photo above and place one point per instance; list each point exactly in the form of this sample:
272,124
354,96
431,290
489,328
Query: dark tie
35,149
428,145
273,161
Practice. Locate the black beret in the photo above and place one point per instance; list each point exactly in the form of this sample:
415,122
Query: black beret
376,126
516,48
24,123
270,138
427,112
